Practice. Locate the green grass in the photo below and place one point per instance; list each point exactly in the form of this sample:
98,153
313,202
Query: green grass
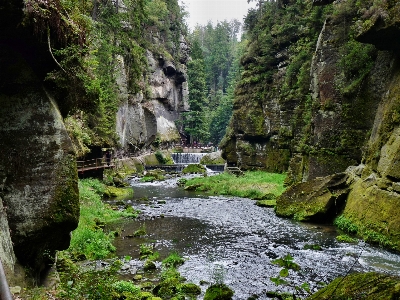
367,234
88,240
253,185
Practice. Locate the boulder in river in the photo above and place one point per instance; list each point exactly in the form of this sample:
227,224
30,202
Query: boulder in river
318,200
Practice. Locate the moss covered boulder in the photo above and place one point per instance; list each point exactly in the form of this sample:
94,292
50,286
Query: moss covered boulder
194,169
317,200
213,158
218,292
367,286
373,213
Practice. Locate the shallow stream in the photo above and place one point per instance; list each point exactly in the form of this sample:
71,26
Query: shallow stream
232,240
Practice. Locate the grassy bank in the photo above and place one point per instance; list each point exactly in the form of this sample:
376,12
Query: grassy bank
89,241
253,185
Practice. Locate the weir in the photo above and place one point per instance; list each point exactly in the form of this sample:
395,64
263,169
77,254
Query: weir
187,158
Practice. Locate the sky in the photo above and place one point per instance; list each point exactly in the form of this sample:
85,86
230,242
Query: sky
201,11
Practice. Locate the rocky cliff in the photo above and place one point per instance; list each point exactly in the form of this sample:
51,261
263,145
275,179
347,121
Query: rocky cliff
147,118
348,121
38,177
317,104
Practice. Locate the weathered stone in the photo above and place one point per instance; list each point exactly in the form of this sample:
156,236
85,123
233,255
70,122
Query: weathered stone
374,210
37,169
213,158
318,200
389,162
144,119
381,27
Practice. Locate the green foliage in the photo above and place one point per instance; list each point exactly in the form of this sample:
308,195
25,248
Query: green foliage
173,260
88,240
344,238
212,75
145,250
254,184
345,224
287,262
126,286
355,63
141,231
363,230
312,247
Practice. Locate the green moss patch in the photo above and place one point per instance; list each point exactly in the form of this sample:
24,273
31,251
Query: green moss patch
194,169
218,292
373,214
367,286
114,192
315,200
266,203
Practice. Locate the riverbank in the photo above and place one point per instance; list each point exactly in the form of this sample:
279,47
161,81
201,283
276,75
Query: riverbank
89,268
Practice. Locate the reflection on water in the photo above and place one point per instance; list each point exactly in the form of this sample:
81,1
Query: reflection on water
243,239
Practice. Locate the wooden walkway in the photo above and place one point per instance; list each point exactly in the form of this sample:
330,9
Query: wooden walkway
93,164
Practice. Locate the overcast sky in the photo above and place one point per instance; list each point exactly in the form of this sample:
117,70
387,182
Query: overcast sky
201,11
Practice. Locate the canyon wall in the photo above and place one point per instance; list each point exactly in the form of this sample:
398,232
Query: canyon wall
38,176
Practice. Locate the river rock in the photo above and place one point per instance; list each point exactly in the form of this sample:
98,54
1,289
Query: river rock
318,200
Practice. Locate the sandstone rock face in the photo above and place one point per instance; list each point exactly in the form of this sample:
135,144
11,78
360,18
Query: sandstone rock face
374,193
318,200
144,119
38,176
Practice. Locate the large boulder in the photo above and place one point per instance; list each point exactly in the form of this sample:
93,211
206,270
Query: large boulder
318,200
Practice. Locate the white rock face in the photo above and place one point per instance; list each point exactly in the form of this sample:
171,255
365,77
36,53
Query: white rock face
143,119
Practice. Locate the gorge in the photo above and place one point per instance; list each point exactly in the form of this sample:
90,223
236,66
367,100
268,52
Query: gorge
317,97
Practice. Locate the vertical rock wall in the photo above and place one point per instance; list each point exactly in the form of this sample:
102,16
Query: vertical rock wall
38,176
144,119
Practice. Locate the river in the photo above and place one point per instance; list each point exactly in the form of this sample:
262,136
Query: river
232,240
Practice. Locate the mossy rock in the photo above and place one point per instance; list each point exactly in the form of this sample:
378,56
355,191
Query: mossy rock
366,286
114,192
190,288
218,292
213,158
374,214
266,203
149,265
344,238
317,200
194,169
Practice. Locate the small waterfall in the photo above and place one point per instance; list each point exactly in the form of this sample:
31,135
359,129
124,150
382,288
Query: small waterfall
187,158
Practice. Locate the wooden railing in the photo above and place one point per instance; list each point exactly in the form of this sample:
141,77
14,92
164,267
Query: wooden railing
92,163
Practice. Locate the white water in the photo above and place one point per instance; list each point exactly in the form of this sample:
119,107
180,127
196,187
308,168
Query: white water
187,158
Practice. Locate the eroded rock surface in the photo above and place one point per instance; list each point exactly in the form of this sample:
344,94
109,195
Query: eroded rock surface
38,176
318,200
144,119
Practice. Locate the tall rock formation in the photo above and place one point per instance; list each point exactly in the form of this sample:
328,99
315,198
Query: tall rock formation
38,177
349,120
148,118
